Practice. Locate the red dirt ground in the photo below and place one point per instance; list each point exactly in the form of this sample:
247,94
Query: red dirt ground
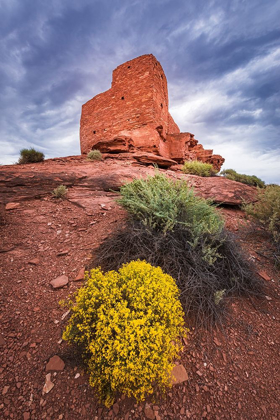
233,374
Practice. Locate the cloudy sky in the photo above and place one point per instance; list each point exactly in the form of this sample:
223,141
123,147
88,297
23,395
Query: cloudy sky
221,59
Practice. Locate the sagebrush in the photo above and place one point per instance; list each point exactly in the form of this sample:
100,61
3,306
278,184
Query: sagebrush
161,204
94,155
245,179
128,326
266,209
266,212
196,167
60,192
30,156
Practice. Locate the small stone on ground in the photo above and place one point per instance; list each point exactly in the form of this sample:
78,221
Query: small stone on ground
48,384
59,282
55,364
80,275
35,261
179,374
12,206
149,412
264,275
2,341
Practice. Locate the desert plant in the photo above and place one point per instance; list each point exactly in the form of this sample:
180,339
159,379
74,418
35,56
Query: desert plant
94,155
183,234
30,156
127,325
266,210
161,204
199,279
199,168
245,179
60,192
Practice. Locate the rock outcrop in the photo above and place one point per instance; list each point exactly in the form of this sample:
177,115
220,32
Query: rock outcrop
133,117
91,184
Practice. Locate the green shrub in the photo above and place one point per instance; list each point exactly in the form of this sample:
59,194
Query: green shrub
199,168
161,204
245,179
94,155
127,325
60,191
267,210
30,156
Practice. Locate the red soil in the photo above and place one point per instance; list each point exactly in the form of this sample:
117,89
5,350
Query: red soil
233,374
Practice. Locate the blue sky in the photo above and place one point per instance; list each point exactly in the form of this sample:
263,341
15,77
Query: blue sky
221,59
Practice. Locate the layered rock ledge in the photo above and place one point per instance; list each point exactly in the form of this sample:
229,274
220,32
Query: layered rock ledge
92,182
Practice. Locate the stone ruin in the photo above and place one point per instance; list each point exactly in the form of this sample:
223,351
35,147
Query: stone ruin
131,119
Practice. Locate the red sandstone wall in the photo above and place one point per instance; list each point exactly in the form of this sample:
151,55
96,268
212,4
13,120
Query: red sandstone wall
172,126
133,115
138,97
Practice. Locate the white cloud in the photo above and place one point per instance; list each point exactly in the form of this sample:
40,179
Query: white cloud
243,160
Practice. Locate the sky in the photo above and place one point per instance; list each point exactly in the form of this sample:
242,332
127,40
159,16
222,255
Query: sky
221,59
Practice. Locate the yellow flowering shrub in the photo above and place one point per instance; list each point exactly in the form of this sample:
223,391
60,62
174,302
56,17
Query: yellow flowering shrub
128,324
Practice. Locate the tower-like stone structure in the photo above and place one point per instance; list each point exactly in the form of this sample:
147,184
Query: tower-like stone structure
132,117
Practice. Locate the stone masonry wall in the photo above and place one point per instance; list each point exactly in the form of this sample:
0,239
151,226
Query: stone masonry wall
133,116
138,97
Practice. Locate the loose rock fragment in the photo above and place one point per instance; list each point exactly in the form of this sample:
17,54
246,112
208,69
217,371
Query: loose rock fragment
2,341
217,342
149,412
5,389
59,282
55,364
179,374
35,261
65,314
264,275
62,253
12,206
80,275
116,408
48,384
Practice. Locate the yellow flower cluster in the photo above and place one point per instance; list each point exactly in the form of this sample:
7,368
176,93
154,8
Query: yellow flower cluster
128,324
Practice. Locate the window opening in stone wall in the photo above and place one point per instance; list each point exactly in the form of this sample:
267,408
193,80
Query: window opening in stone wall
128,67
94,132
122,98
161,105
